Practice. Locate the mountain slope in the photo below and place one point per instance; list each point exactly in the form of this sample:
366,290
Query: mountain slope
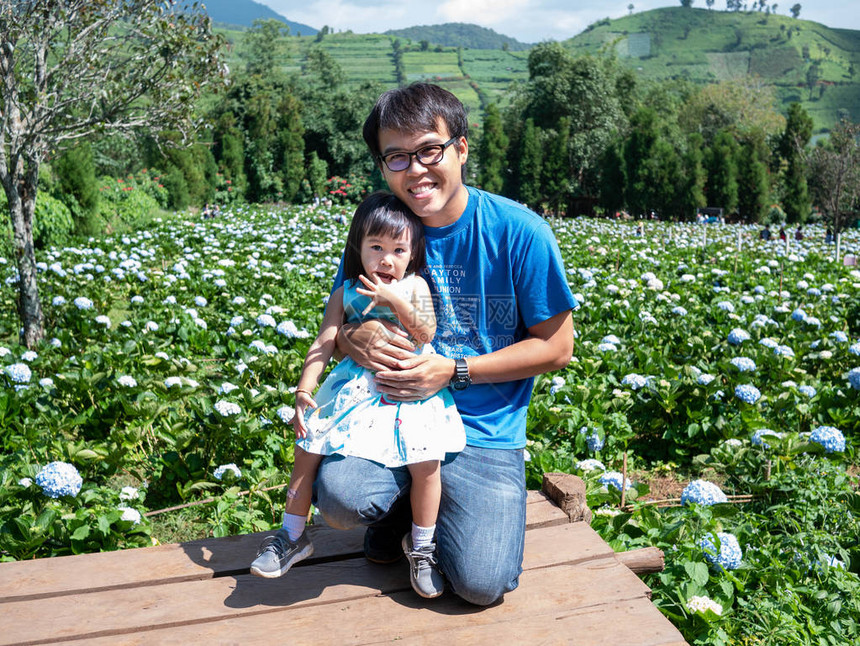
243,13
459,34
805,61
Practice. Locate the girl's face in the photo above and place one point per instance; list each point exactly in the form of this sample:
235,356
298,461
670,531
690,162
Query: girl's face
385,257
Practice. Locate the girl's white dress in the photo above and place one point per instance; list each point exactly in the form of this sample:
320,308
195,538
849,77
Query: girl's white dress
354,418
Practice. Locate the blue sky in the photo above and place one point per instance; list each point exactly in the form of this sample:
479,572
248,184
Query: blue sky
529,21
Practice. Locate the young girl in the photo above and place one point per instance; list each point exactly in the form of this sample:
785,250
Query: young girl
349,416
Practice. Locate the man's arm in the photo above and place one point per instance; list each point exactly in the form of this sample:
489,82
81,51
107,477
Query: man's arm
375,345
548,346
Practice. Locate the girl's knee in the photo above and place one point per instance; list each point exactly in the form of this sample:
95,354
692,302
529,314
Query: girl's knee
424,470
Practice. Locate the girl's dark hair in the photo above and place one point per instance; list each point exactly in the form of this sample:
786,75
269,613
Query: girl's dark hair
415,108
382,213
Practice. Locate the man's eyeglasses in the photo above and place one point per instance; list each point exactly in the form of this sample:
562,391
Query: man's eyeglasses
426,155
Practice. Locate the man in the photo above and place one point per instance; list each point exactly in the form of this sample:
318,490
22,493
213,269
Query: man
503,316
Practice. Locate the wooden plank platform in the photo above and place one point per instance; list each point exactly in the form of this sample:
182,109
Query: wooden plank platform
573,590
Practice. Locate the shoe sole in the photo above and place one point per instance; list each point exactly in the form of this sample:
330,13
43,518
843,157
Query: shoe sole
405,544
274,574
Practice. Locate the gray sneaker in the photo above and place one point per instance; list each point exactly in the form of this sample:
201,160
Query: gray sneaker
424,573
278,553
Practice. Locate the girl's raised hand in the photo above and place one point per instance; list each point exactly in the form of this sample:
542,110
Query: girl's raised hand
303,402
379,292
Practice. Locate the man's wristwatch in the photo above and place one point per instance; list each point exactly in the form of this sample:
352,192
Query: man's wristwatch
461,379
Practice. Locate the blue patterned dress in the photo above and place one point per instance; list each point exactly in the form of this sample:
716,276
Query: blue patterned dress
355,419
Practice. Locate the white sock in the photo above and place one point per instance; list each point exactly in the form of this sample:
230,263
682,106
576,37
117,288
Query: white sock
295,525
422,536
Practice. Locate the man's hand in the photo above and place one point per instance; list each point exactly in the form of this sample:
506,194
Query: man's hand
375,345
415,378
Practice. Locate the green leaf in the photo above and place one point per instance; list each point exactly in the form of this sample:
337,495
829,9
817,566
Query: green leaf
698,572
81,533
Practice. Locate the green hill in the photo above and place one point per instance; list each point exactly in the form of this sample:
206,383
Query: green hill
696,44
459,34
705,46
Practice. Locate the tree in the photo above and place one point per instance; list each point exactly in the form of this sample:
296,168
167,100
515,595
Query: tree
693,183
556,165
721,162
76,172
792,144
588,91
813,75
709,3
795,11
264,45
686,3
72,68
491,151
834,171
530,165
753,184
630,8
613,179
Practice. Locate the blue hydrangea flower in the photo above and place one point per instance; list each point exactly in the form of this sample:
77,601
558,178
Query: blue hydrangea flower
768,343
854,349
227,409
747,393
812,321
839,336
702,492
829,437
286,414
783,351
704,379
291,331
593,439
758,437
729,554
224,468
614,479
19,373
798,315
679,311
744,364
59,479
634,381
611,338
129,514
557,384
590,465
726,306
266,320
606,347
738,336
854,378
809,391
83,303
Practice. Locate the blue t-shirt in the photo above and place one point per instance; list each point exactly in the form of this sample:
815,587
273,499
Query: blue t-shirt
493,273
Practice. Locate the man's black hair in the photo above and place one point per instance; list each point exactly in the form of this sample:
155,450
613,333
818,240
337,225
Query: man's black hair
382,213
415,108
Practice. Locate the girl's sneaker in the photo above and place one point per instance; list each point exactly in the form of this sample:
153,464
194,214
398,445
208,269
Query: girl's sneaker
278,554
424,573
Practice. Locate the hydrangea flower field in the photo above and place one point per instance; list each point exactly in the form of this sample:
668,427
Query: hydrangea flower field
172,353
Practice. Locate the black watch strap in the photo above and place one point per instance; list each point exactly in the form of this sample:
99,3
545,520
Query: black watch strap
461,379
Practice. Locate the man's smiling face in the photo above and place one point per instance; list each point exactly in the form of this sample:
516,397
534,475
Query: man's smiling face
435,193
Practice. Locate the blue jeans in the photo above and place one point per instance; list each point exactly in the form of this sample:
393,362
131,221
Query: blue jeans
480,533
